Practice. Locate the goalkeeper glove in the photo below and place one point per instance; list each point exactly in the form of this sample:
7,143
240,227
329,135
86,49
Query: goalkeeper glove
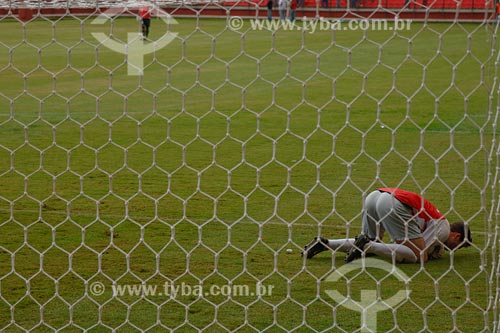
437,252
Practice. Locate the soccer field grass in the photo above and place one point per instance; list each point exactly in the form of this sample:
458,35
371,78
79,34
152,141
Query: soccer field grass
233,147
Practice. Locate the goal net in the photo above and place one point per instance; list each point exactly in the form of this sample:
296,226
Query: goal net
166,176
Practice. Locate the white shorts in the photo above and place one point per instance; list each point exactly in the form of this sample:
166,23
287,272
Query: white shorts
383,212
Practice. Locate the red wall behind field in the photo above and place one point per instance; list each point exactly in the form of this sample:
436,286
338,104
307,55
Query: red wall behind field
389,4
416,9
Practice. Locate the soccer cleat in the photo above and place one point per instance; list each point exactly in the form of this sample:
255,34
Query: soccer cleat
317,245
359,243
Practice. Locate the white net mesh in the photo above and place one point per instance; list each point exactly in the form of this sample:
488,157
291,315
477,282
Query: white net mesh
171,183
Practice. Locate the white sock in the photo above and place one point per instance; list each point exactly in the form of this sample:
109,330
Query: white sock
342,245
399,252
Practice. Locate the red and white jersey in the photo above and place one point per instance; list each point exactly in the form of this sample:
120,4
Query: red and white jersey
425,209
433,225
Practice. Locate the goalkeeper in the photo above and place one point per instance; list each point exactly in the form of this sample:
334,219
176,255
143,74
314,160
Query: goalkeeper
417,228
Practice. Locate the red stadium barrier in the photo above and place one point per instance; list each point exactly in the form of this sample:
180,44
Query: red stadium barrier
476,10
390,4
25,14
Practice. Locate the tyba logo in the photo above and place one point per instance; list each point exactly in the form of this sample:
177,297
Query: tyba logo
136,47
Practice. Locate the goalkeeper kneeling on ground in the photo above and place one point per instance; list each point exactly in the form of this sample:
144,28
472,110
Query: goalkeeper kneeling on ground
417,228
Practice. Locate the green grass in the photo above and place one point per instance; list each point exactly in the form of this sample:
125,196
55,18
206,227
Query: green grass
231,148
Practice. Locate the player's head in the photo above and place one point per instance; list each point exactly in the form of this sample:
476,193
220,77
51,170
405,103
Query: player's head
459,237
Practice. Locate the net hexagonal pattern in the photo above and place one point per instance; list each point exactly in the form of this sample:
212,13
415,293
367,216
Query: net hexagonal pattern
170,184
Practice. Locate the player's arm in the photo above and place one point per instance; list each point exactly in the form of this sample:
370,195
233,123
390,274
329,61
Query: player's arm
417,245
435,234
